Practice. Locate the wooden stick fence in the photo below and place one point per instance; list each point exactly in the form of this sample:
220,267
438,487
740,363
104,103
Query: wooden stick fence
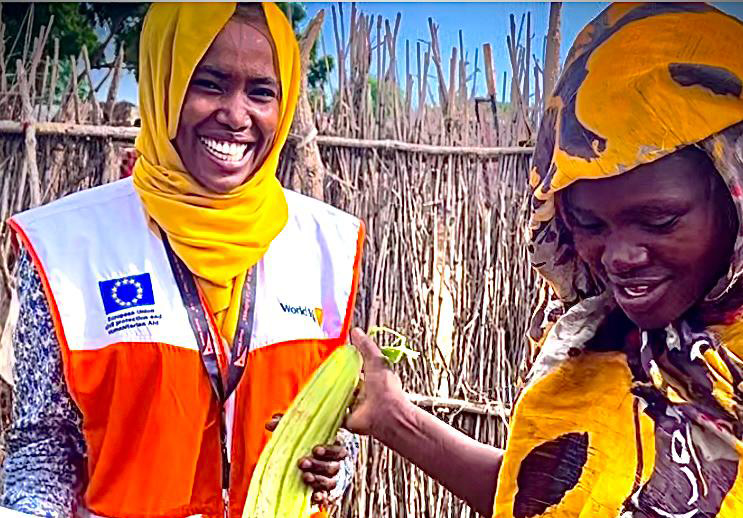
438,175
129,134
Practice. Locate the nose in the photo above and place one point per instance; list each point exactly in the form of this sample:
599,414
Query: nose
622,255
235,112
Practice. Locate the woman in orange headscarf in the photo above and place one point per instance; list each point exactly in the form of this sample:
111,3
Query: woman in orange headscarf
634,406
166,318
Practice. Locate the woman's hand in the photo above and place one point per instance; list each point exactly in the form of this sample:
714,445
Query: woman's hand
374,413
320,469
466,467
380,394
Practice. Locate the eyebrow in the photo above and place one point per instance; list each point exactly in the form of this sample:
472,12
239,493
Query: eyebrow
223,75
659,208
269,81
650,209
217,72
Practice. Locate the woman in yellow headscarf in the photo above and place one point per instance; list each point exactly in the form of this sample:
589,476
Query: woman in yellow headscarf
165,319
633,408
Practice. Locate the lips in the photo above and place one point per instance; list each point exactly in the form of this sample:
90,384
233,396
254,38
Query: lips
636,291
640,295
229,155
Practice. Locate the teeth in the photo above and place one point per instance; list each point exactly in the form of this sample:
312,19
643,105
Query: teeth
229,151
636,291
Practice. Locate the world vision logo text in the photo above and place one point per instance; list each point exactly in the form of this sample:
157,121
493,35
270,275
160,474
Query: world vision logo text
316,315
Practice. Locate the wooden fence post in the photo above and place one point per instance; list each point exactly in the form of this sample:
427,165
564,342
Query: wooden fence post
552,59
30,168
309,171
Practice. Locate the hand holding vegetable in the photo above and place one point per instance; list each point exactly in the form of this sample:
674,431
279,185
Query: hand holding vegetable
380,392
320,468
278,489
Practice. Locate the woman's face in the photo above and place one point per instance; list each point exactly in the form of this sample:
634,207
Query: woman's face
231,109
659,236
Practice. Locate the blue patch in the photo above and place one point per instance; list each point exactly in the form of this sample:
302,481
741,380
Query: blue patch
127,292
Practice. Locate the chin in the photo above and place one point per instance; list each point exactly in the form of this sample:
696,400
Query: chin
651,321
222,182
225,187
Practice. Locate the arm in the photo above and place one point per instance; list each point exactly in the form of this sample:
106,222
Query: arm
44,444
466,467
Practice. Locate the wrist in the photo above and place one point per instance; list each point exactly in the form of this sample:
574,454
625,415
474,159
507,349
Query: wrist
397,418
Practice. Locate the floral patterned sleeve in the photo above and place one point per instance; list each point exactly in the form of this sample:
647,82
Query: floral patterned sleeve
344,478
45,449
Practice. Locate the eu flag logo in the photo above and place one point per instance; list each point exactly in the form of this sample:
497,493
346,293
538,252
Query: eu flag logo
126,292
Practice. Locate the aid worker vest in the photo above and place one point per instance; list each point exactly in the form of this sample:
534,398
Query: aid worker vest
131,359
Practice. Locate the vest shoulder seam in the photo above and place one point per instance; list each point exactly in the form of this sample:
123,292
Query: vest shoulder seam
315,204
88,198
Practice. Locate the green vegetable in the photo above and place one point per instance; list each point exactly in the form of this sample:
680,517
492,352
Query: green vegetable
276,489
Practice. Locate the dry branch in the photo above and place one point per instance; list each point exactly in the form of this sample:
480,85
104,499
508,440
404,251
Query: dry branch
126,133
425,149
96,119
73,130
113,90
30,168
307,160
492,409
552,59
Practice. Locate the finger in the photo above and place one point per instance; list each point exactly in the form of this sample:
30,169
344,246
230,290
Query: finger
319,467
273,423
318,482
330,452
321,498
366,346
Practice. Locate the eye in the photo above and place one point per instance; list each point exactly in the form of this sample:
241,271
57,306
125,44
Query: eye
263,94
591,228
662,224
585,223
207,85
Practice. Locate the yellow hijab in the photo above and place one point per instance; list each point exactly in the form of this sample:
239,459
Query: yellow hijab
218,236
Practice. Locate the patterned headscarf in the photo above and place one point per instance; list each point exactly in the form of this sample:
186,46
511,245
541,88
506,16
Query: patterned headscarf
641,82
621,103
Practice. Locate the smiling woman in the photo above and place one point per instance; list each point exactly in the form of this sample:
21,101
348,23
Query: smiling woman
231,111
153,345
634,405
658,237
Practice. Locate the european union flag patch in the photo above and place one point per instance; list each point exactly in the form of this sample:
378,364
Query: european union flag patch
127,292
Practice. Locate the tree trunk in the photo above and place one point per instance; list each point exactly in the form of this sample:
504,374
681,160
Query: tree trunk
309,171
552,61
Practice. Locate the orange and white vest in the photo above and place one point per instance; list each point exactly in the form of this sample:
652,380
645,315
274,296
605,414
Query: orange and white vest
151,420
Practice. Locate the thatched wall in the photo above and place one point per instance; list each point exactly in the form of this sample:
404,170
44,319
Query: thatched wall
445,257
444,263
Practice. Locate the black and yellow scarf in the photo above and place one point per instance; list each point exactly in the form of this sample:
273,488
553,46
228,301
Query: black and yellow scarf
652,428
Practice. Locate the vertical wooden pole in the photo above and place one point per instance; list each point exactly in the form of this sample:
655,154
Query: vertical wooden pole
552,59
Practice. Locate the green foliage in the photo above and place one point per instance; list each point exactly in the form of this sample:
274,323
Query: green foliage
77,25
65,75
295,12
124,22
320,66
374,92
319,71
71,26
96,25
